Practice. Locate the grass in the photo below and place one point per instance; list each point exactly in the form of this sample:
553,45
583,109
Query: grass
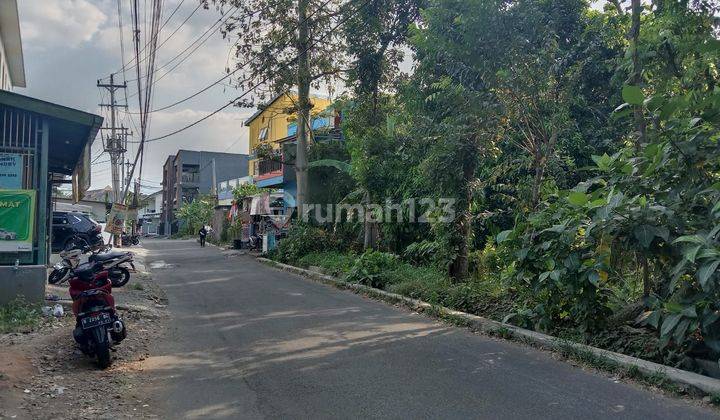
333,263
136,286
19,316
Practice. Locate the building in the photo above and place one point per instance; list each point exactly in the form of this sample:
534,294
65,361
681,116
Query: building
270,125
43,145
149,214
189,174
12,66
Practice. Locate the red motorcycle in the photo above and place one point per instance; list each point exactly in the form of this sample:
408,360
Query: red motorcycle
97,325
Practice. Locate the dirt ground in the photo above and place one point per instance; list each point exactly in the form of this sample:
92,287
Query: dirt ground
44,375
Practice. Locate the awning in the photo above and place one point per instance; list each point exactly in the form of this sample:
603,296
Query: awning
71,134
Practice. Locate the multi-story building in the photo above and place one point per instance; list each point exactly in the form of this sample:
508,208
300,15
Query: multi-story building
270,125
149,213
12,67
189,174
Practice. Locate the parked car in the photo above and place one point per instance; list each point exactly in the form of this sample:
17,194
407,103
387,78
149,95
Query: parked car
7,235
73,226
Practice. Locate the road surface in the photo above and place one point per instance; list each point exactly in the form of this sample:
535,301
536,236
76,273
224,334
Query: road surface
249,341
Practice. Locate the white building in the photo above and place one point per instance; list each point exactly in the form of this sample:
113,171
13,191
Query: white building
12,67
150,214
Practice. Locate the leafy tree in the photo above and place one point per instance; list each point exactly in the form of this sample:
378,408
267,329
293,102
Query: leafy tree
196,213
286,44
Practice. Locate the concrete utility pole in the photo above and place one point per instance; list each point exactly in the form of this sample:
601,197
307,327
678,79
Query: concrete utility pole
115,145
214,180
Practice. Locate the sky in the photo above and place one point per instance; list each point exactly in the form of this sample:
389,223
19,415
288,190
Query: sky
69,44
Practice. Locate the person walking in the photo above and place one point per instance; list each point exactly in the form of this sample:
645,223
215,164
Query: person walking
203,233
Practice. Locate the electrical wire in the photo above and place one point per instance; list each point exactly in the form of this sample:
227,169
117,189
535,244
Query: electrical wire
215,83
342,21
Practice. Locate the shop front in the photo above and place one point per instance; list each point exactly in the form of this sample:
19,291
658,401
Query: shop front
41,144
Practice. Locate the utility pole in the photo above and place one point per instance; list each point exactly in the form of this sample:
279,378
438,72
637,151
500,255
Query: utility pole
214,180
115,146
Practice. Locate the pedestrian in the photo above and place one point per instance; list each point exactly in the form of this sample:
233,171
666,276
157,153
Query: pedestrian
203,233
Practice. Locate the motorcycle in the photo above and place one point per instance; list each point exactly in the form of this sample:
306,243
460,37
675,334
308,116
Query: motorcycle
97,324
115,263
128,239
63,270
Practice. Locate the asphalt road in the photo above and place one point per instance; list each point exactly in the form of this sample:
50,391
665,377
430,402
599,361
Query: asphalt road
248,341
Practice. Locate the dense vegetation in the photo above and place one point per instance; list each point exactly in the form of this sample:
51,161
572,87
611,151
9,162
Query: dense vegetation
581,150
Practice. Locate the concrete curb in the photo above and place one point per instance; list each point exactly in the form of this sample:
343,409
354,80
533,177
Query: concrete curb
704,384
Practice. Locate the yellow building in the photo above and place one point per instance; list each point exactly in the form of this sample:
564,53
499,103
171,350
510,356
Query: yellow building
273,122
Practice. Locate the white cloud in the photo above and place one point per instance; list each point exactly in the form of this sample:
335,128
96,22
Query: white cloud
59,23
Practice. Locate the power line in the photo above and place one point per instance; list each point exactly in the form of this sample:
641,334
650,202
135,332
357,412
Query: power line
206,88
126,66
196,47
342,21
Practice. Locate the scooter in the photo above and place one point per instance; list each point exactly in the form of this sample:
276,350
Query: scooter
116,264
128,239
63,270
97,325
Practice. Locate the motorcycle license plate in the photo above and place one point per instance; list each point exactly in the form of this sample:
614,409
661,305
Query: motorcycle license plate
96,320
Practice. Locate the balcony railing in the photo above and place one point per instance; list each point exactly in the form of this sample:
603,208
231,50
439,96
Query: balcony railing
190,177
268,166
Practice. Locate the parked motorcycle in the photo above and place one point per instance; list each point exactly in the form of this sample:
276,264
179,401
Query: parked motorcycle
63,270
97,325
128,239
116,264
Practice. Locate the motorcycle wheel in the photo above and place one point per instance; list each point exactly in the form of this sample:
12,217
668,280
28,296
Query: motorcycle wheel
102,351
57,275
119,276
136,241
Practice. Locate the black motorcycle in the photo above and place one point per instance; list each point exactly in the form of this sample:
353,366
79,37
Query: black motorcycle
128,239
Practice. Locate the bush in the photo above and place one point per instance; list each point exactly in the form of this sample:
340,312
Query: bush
429,253
302,240
373,269
333,263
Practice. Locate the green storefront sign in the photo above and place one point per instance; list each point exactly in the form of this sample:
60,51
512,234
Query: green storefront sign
17,220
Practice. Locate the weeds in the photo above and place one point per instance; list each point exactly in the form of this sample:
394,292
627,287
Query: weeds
19,316
137,286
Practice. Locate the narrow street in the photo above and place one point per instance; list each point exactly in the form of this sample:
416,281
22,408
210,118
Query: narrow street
248,341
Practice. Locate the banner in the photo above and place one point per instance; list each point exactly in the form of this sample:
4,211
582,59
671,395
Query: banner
116,220
11,171
17,220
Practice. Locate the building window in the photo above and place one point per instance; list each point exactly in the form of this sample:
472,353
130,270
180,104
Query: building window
263,134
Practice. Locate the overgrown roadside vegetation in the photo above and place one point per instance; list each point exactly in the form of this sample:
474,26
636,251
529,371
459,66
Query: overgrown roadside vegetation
579,148
20,316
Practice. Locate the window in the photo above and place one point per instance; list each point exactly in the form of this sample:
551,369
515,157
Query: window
263,134
74,219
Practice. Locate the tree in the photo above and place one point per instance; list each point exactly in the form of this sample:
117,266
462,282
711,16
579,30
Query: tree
286,44
374,37
196,213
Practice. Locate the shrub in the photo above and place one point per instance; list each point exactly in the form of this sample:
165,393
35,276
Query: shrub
302,240
429,253
373,269
333,263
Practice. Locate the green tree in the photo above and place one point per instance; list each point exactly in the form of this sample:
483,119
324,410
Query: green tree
196,213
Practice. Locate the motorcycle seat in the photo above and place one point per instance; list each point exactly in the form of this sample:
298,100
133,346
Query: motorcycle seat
105,256
87,272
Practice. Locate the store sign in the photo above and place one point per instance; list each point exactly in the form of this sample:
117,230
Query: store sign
17,220
11,171
116,219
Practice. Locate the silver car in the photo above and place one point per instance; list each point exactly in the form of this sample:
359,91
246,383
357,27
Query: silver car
7,235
